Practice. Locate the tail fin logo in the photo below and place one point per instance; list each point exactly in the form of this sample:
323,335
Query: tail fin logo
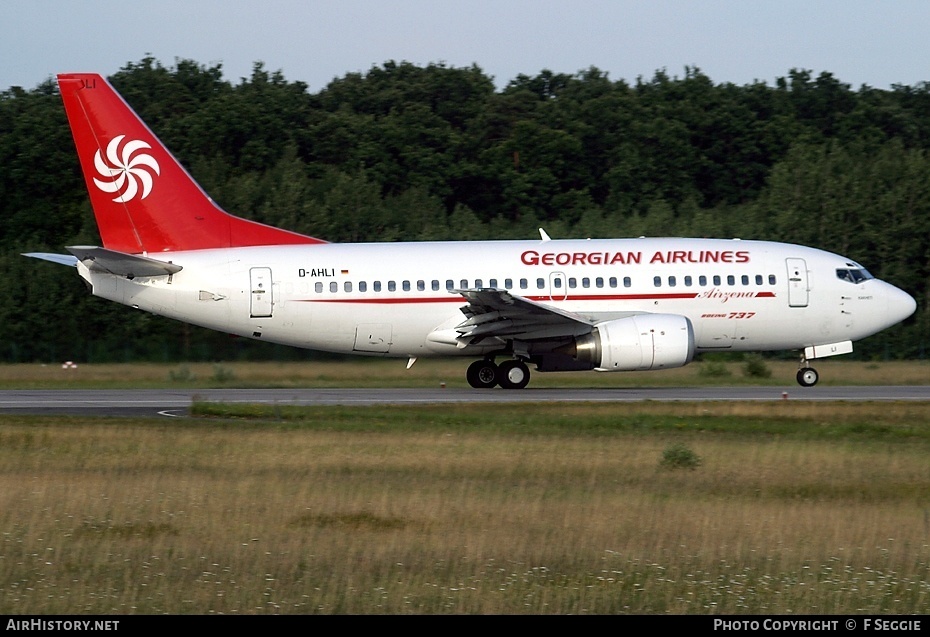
126,172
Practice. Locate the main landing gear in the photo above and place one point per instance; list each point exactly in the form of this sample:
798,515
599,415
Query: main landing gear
511,374
807,375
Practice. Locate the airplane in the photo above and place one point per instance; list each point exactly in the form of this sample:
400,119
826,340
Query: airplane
562,305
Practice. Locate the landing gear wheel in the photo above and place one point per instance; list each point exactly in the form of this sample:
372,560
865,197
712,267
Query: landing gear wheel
482,374
808,377
513,374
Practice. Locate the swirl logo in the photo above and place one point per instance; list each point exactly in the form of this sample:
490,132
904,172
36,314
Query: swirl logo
126,172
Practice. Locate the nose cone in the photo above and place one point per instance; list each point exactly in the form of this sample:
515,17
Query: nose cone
898,304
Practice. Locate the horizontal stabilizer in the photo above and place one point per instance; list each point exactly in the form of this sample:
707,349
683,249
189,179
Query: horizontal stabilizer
120,263
63,259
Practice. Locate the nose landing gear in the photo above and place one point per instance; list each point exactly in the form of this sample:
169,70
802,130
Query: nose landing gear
807,375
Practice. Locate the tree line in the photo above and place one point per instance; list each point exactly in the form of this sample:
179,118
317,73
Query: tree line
408,152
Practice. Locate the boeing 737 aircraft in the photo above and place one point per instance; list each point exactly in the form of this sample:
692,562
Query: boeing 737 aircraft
607,305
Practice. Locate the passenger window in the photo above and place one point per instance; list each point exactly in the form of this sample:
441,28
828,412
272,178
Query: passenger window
687,281
450,284
731,280
333,286
464,284
435,285
771,279
524,284
627,282
492,283
672,282
421,285
540,284
657,281
613,281
716,279
347,286
599,281
585,282
377,286
406,286
508,284
392,287
758,279
745,279
572,282
478,283
702,280
318,287
557,283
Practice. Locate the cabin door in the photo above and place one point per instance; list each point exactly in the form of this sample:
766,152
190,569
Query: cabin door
262,301
798,284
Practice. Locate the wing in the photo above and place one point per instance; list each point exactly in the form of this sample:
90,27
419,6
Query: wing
493,313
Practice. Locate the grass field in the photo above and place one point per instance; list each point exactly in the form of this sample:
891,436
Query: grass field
431,373
781,508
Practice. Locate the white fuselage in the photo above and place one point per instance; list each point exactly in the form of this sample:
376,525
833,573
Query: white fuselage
396,299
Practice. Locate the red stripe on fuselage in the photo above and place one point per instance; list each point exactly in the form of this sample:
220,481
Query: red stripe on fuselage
543,299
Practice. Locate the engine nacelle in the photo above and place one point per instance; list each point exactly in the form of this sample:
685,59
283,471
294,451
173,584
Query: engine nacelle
640,342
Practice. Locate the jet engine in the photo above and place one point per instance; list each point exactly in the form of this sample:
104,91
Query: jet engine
640,342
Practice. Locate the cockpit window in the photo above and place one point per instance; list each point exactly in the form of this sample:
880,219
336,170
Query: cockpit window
853,275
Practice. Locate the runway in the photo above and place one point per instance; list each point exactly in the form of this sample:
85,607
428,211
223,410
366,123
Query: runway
175,403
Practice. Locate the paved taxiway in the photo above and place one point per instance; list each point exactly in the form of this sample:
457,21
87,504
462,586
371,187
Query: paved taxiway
167,402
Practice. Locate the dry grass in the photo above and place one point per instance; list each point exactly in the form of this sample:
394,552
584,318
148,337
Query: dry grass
362,372
401,516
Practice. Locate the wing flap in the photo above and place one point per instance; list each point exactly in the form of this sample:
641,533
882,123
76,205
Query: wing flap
493,313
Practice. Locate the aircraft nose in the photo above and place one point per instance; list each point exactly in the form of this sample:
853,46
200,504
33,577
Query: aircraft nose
898,304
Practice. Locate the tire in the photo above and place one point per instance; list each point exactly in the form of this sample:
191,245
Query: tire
808,377
482,374
513,374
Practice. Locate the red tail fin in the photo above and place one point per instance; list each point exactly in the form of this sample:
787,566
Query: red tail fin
143,199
